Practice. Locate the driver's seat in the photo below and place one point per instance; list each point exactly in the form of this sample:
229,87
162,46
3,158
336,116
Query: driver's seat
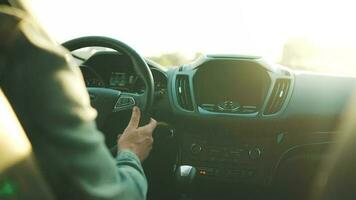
19,175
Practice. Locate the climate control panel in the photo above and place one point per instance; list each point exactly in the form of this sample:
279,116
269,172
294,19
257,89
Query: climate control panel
222,156
223,153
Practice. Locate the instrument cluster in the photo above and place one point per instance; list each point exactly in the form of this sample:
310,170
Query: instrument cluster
122,80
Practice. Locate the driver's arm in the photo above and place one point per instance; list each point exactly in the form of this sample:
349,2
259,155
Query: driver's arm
50,99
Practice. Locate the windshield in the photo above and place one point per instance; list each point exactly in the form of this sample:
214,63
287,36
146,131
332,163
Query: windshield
303,34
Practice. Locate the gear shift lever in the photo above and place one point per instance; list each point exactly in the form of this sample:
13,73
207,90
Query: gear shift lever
185,176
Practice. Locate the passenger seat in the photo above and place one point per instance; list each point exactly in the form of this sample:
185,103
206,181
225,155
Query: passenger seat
19,175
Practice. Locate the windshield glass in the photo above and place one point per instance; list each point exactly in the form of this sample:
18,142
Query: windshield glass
309,35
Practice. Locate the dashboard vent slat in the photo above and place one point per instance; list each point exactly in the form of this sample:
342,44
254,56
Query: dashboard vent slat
278,97
183,92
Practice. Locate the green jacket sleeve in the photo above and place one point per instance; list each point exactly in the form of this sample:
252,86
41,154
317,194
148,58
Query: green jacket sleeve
49,96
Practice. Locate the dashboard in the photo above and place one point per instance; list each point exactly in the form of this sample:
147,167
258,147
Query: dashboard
236,119
245,123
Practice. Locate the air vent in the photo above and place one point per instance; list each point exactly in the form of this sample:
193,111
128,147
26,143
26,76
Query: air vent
183,92
278,97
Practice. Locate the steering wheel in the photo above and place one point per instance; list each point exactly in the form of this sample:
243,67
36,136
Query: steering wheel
107,101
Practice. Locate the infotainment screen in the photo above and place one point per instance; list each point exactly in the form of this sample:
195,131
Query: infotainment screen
230,85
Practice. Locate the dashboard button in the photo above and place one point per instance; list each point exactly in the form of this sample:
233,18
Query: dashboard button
254,153
195,149
124,102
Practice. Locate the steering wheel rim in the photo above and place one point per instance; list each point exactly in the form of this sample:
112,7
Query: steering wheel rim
139,64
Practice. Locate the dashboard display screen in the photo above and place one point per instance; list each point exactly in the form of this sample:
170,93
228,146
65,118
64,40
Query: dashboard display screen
231,84
121,80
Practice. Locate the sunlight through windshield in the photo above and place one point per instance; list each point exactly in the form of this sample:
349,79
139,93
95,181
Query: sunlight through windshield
307,35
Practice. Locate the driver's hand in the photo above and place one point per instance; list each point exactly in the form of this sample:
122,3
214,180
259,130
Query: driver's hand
137,139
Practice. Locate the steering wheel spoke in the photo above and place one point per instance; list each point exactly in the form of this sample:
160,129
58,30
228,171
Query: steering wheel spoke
127,101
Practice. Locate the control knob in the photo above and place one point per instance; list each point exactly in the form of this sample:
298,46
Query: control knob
254,153
195,148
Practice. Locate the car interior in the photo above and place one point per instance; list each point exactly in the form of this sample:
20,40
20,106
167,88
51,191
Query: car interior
231,126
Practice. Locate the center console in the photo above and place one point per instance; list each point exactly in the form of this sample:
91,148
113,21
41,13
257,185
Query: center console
213,94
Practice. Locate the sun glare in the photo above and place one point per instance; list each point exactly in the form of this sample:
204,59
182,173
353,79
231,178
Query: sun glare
304,34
